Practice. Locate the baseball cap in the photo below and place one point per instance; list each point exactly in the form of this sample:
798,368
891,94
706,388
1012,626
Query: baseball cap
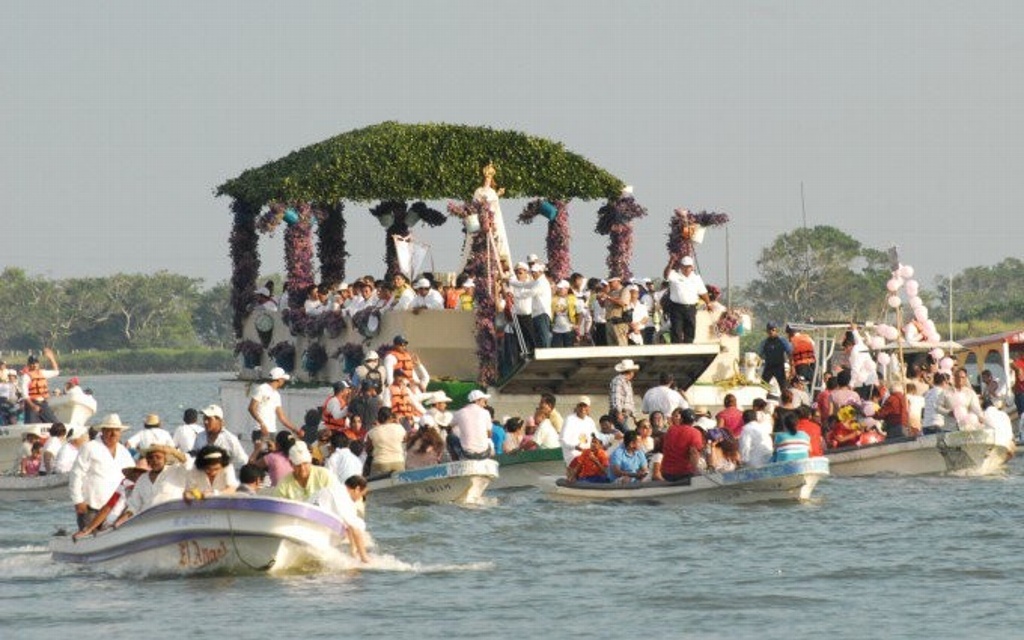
477,394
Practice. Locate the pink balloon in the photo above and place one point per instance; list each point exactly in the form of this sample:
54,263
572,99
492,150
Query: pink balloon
884,359
915,302
893,285
906,271
921,313
894,302
912,287
932,336
937,354
876,342
931,326
946,364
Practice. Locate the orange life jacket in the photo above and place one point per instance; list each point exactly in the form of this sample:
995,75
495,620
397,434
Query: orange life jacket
334,424
803,350
401,404
38,389
404,362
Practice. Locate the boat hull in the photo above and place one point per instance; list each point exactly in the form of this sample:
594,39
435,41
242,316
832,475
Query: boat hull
243,534
460,482
968,453
791,481
23,488
526,468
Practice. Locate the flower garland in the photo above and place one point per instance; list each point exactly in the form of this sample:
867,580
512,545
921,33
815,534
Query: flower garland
483,300
331,244
284,354
245,260
250,350
681,228
333,322
615,220
558,236
314,358
304,324
298,257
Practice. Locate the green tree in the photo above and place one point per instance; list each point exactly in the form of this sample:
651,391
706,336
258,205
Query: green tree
819,273
212,318
994,293
154,310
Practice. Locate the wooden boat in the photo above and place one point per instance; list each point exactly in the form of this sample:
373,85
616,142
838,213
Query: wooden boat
525,468
23,488
778,482
460,482
966,453
232,534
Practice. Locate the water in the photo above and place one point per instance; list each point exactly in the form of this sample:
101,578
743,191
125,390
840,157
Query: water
874,557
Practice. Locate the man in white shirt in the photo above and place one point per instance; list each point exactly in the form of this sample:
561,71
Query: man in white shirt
427,297
664,397
159,457
265,407
756,447
344,462
471,429
522,298
35,389
76,438
577,430
96,472
401,294
540,300
151,434
185,436
685,290
214,433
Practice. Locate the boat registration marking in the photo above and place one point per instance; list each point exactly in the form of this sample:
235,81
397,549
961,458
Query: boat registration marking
192,519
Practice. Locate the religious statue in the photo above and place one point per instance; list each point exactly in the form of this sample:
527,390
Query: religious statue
488,194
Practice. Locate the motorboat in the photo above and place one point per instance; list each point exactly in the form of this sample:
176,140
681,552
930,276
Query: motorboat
976,452
71,409
789,481
459,482
526,468
23,488
229,534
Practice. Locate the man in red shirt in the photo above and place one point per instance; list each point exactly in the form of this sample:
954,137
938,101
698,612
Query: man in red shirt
682,447
812,429
730,417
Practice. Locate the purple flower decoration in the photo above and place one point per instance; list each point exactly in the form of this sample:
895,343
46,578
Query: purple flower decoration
615,220
245,261
681,229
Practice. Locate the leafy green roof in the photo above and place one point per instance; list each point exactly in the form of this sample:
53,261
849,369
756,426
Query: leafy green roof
393,161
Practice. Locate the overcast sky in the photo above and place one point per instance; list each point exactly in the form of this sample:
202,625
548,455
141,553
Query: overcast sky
901,119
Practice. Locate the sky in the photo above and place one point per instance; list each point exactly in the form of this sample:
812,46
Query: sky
901,122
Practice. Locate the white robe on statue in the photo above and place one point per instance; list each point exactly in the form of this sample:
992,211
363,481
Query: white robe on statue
490,196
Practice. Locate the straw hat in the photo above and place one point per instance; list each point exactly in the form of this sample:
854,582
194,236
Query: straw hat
111,421
627,365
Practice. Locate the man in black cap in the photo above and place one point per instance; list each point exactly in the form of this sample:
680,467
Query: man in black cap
775,352
36,391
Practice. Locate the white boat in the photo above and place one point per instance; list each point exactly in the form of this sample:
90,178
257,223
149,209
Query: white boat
526,468
777,482
966,453
70,409
460,482
50,487
233,534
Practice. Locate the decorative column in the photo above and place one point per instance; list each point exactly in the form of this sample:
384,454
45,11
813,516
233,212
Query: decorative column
557,241
615,220
245,260
482,267
298,257
331,244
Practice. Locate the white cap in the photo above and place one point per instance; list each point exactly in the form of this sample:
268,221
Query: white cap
562,284
477,394
263,291
537,267
277,373
469,284
522,265
422,283
584,400
299,453
213,411
687,261
371,355
533,257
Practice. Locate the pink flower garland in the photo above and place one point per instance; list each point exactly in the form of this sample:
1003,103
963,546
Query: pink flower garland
482,273
245,261
298,256
615,219
679,242
558,236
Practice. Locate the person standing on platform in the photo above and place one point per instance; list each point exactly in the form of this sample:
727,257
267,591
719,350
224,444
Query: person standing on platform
685,290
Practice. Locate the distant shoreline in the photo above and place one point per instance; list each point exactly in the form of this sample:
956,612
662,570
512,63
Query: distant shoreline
94,362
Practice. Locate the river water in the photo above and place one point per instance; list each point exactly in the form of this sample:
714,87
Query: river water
929,557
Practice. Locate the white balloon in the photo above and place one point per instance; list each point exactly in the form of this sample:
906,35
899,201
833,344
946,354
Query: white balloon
912,287
884,359
921,314
895,302
946,364
745,321
937,354
876,342
893,285
906,271
915,302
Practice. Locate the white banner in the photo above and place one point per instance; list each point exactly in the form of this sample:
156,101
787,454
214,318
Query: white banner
411,255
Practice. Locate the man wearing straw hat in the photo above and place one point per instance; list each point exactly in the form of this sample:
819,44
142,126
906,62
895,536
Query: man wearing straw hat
620,393
96,473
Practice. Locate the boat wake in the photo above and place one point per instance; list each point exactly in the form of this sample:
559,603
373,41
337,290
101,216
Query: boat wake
30,562
386,563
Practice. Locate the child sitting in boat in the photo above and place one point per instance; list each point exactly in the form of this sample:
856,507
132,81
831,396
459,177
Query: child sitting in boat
591,465
31,463
846,431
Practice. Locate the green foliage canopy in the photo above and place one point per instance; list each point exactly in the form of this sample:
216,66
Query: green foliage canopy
989,293
393,161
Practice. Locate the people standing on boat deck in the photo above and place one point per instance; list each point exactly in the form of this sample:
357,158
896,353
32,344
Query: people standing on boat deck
372,370
628,462
115,505
470,437
803,356
565,324
685,290
158,458
996,420
54,443
522,300
620,393
215,434
334,413
10,397
426,297
682,447
185,436
894,412
152,433
993,389
638,316
365,404
401,397
598,314
399,358
344,461
962,394
265,407
96,472
591,465
538,289
615,301
577,430
936,408
775,351
77,436
386,444
401,294
35,389
664,397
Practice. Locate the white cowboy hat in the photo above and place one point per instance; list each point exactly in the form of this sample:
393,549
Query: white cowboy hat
111,421
627,365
